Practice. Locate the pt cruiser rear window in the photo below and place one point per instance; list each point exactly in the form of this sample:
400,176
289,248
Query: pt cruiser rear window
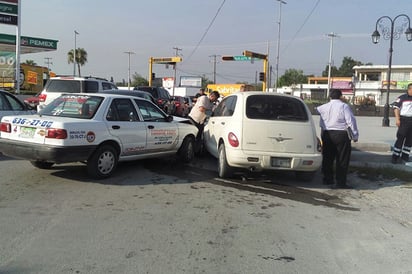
275,108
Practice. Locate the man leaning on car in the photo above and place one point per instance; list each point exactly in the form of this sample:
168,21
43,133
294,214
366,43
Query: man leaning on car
198,115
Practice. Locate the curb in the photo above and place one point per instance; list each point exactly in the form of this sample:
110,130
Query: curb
372,147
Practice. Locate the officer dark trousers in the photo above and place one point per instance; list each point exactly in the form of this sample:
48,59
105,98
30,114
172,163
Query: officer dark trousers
402,147
336,147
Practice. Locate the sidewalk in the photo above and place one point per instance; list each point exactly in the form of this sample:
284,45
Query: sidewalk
374,147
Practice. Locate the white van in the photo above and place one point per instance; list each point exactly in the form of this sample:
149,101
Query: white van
56,86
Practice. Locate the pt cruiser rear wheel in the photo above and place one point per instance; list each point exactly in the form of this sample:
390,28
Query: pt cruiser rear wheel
103,162
225,171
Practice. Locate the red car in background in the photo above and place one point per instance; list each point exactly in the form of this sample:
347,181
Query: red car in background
32,101
182,108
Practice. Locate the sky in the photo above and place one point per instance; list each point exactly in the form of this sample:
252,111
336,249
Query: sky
202,29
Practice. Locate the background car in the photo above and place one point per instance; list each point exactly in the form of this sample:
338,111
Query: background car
98,129
56,86
32,101
136,93
11,105
181,109
162,96
257,131
189,102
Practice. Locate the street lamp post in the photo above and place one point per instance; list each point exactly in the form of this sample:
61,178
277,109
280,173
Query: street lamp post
278,45
331,36
74,53
390,34
128,71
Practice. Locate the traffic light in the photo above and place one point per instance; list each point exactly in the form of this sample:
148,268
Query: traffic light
228,58
261,76
153,75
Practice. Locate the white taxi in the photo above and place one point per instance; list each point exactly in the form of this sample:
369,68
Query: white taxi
259,131
99,129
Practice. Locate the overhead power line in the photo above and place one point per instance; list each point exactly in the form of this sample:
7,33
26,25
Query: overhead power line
207,30
303,24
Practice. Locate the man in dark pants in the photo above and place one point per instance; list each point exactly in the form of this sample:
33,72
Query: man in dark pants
335,117
197,115
403,116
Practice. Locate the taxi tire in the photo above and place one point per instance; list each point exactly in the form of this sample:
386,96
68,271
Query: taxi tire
224,170
102,163
42,164
187,149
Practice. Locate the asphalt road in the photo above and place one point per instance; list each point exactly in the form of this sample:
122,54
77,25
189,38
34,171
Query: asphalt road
161,216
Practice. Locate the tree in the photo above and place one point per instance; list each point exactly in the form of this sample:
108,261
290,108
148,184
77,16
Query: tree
206,81
30,62
334,71
345,70
292,77
138,80
81,58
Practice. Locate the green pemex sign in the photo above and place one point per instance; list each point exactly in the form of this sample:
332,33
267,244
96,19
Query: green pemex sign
29,41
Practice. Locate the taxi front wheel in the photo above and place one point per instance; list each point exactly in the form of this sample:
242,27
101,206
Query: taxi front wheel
103,162
187,150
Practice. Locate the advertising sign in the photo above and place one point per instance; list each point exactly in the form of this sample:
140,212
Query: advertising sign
8,19
9,12
7,8
32,77
7,63
191,81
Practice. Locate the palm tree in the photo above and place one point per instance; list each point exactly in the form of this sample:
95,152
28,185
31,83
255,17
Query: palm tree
30,62
81,58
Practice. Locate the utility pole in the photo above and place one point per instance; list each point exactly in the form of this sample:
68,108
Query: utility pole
278,47
331,36
128,74
214,66
48,62
174,67
74,53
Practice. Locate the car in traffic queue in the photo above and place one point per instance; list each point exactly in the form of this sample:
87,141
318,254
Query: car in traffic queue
163,98
11,105
261,131
134,93
59,85
98,129
32,101
182,109
189,102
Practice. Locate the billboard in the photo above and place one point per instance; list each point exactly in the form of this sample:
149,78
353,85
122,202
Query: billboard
191,81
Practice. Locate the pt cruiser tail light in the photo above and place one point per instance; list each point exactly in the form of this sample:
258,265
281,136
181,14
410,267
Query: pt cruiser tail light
233,141
42,97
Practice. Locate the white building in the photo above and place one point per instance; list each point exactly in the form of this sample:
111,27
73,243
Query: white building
367,81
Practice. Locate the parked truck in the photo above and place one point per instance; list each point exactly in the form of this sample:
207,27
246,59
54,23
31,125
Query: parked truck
32,78
226,89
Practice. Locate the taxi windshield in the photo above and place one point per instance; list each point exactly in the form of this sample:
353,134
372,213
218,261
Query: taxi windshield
73,106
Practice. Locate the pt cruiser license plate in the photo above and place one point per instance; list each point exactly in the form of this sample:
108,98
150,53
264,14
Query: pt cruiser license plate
280,162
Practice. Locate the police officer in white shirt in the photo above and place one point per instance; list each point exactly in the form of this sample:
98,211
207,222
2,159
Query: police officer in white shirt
402,109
